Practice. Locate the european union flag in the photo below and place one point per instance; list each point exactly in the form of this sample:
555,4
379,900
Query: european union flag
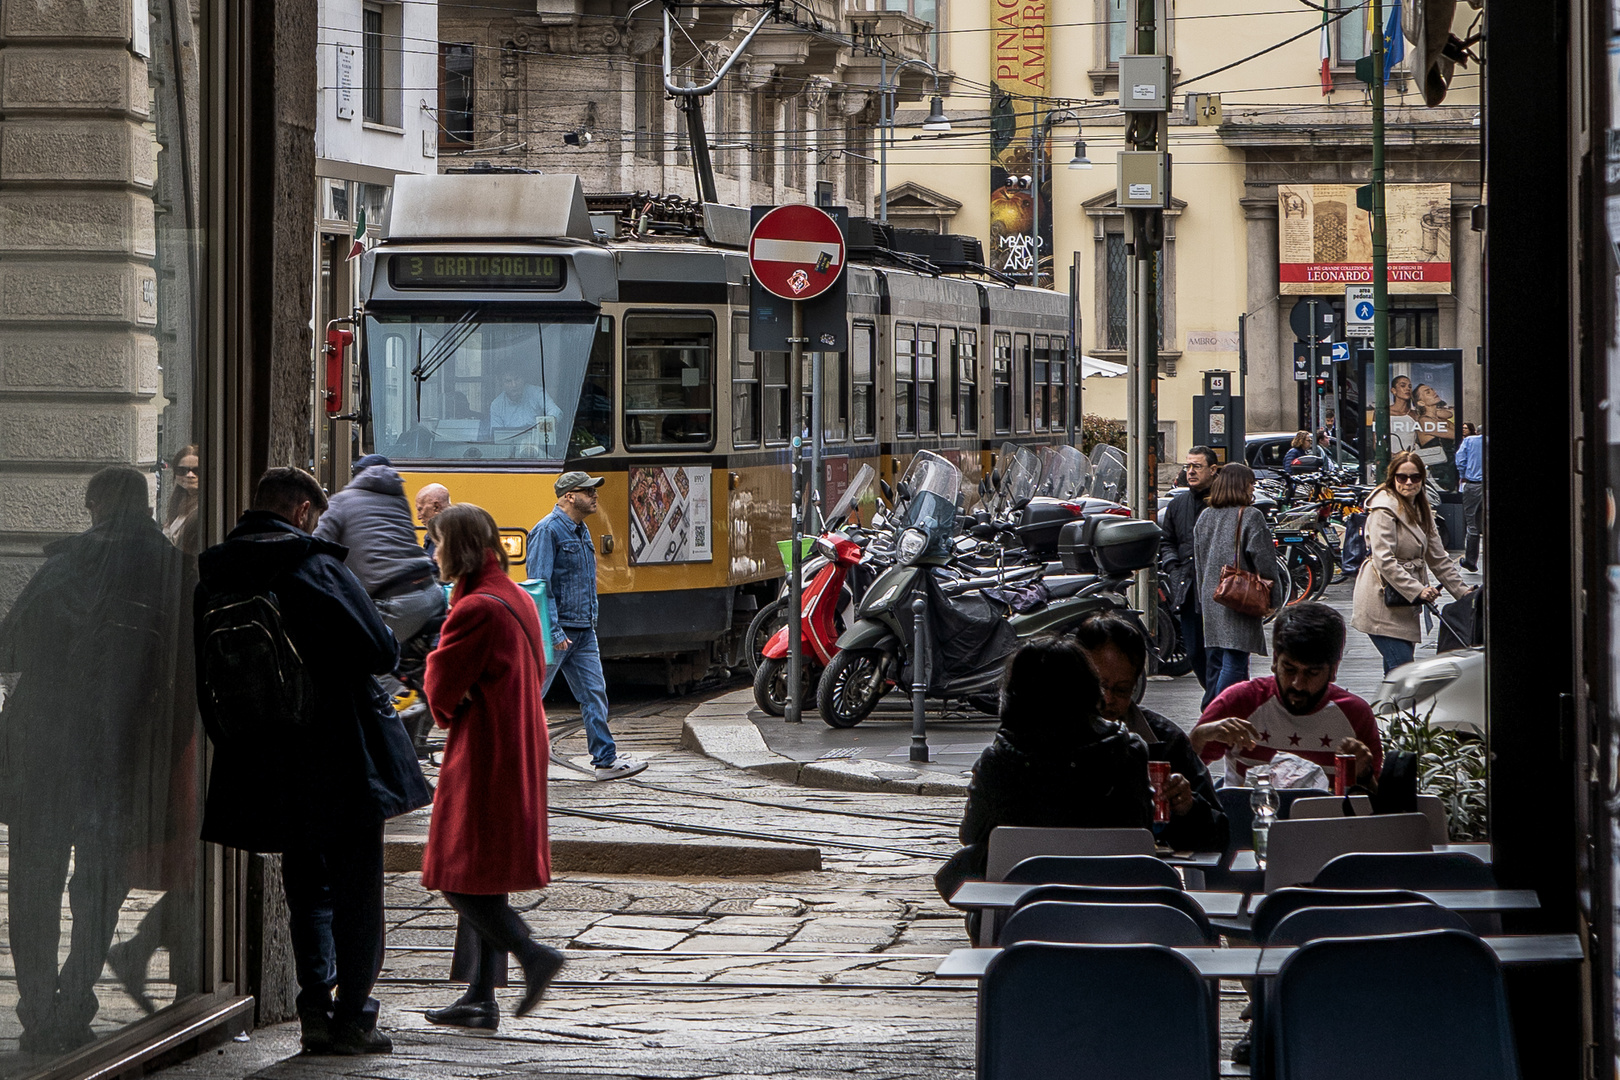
1394,41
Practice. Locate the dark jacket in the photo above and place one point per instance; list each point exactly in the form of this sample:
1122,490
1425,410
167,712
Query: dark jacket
1203,828
1176,546
1034,782
354,762
373,520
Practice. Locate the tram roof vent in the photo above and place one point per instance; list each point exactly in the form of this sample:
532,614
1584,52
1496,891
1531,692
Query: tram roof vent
948,251
868,237
497,206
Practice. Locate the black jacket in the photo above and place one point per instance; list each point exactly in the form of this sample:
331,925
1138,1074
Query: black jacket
1176,546
354,763
1037,783
1204,827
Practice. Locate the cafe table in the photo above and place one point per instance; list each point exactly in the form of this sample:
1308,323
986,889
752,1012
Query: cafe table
1248,961
1004,895
1244,860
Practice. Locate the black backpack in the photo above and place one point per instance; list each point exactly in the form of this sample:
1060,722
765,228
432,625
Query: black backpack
254,682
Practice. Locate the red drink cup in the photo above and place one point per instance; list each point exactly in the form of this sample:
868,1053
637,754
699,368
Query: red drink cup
1158,776
1344,773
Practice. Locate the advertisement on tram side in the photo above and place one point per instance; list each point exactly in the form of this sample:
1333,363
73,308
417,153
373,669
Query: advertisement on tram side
669,515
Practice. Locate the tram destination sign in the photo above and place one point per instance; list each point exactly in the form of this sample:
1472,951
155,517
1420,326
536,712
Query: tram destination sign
474,270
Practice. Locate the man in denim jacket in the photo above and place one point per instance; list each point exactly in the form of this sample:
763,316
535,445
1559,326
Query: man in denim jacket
563,555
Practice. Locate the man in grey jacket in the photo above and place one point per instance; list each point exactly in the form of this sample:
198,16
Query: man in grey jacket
372,518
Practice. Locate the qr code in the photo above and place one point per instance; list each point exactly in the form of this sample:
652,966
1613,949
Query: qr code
700,535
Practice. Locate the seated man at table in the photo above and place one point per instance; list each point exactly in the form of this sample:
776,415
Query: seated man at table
1118,651
1298,709
1055,763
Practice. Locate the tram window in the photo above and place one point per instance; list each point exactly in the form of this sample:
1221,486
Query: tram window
668,381
947,380
1001,382
807,385
1021,384
927,380
777,417
862,399
1040,379
1058,409
967,375
593,423
834,397
905,380
744,388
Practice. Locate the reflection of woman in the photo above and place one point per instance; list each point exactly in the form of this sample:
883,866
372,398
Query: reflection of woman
1403,545
181,524
1400,405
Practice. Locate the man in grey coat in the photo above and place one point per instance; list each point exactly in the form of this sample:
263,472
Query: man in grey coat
372,518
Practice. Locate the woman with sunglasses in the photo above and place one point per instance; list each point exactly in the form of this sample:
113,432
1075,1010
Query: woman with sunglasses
181,524
1403,545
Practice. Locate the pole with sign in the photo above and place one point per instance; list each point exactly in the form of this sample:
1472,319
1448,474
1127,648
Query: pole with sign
796,253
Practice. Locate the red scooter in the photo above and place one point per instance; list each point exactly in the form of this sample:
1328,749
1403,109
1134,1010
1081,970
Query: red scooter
818,628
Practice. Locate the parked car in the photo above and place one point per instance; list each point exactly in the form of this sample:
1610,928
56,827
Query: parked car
1266,450
1451,684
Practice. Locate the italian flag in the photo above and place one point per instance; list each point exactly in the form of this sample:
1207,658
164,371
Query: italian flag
1327,55
360,233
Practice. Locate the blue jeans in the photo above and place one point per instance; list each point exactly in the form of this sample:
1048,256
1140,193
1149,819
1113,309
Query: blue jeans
1223,668
1395,651
581,663
1192,639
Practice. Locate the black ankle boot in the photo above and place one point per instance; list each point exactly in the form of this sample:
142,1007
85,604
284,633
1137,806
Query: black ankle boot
479,1015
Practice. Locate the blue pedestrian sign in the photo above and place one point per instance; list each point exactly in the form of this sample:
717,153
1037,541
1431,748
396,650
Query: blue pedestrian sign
1341,352
1364,311
1358,308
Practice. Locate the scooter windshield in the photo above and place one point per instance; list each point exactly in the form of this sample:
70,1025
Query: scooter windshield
857,498
933,484
1107,473
1064,472
1020,475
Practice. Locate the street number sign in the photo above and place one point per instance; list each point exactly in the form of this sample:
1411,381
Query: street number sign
796,252
1358,311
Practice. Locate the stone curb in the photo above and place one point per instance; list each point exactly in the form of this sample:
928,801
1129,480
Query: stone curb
720,729
649,857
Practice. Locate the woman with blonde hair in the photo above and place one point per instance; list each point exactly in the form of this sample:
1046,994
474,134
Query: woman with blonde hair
487,836
1403,544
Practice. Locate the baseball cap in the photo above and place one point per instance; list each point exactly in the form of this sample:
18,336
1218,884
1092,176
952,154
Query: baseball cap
369,460
577,481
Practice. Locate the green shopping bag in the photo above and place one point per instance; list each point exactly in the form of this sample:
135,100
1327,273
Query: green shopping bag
537,592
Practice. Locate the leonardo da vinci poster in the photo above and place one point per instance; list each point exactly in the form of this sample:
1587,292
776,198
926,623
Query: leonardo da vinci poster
1325,240
1018,72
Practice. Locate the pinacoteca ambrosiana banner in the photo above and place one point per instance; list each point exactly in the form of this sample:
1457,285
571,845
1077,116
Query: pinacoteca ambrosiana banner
1018,73
1325,241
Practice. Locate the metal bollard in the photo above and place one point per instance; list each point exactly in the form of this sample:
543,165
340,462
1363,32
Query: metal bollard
919,680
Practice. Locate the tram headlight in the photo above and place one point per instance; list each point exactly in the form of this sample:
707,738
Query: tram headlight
913,542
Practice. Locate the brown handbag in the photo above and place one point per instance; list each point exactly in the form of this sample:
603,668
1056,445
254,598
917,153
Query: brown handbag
1244,591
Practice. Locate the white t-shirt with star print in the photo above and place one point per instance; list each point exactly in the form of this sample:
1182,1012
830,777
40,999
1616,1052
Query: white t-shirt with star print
1342,715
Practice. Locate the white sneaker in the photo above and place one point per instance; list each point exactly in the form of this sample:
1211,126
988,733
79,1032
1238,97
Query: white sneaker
621,768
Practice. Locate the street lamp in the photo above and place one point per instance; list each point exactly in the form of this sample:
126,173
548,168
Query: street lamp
937,121
1038,131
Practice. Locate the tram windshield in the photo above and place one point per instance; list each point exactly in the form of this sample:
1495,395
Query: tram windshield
485,386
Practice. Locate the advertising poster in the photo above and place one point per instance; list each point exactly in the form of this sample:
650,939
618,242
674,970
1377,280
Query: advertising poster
1423,411
669,515
1018,67
1325,240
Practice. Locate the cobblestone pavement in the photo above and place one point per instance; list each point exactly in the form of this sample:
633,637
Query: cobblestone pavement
804,975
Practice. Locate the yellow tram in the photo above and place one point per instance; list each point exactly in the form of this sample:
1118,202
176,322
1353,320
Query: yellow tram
502,339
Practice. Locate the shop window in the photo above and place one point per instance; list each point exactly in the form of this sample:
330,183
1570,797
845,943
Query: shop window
668,381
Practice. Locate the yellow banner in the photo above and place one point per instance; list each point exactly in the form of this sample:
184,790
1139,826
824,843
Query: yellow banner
1019,70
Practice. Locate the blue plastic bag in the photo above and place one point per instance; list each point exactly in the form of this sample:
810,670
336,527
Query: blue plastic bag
537,592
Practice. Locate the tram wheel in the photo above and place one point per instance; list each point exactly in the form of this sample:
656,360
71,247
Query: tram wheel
850,687
765,623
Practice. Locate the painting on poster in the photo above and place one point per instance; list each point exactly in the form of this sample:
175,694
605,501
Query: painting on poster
1424,415
669,515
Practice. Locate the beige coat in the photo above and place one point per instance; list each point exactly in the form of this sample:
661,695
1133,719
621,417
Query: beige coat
1398,553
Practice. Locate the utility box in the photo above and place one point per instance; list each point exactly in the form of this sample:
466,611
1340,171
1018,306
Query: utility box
1144,83
1218,417
1144,180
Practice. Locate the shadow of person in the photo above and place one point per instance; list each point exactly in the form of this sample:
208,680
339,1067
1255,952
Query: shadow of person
87,745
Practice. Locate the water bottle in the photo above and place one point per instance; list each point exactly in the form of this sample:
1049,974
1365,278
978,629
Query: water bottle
1263,801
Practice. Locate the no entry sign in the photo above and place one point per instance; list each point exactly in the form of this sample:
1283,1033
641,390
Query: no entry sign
796,252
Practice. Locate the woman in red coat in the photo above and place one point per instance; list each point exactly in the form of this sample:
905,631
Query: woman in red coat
487,837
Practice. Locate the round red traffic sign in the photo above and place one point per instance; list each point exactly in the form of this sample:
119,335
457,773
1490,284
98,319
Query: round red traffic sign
796,252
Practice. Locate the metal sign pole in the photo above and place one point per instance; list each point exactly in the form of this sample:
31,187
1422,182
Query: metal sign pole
793,713
1310,381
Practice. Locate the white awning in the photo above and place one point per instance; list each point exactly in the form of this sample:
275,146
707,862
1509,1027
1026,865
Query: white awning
1106,369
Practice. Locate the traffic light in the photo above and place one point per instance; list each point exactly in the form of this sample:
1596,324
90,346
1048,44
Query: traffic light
1321,385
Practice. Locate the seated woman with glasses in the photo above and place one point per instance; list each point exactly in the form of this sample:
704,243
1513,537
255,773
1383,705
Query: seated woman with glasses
1403,545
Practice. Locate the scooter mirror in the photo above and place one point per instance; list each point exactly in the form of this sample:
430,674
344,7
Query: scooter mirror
984,531
984,486
903,489
1018,506
888,492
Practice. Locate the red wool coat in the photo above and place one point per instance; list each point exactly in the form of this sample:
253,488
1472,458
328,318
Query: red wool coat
488,832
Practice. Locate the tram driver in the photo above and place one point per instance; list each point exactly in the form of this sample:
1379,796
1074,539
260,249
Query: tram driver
521,408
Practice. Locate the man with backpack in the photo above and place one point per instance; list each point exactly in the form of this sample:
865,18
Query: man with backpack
1176,553
309,756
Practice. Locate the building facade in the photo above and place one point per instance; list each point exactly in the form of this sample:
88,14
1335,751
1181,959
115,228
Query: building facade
1222,262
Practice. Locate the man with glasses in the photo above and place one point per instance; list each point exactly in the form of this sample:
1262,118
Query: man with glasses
1176,553
563,555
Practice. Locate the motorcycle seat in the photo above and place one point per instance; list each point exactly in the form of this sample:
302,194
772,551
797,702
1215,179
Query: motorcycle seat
1068,585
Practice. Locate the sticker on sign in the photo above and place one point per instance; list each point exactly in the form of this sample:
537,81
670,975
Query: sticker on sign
1145,91
1140,191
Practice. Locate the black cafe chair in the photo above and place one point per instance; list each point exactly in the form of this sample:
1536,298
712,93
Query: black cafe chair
1276,906
1435,1000
1129,871
1127,1012
1102,924
1096,894
1414,870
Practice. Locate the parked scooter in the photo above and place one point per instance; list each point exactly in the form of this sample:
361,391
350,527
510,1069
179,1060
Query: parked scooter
969,636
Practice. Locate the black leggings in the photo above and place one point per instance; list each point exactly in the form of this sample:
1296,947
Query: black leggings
500,931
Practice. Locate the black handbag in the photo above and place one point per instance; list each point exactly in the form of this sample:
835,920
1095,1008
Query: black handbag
1394,598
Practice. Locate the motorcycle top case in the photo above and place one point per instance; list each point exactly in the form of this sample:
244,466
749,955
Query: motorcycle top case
1040,523
1109,545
